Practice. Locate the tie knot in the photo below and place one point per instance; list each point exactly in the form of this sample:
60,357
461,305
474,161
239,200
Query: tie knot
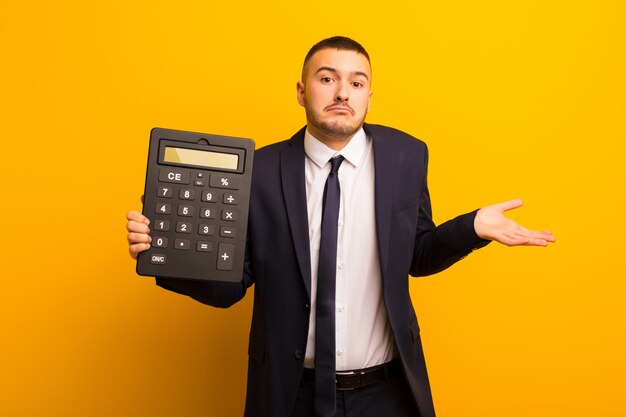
336,163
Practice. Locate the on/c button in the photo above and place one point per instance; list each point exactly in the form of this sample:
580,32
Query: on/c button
158,258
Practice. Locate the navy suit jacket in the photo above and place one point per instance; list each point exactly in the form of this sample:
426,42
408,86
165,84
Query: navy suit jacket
278,263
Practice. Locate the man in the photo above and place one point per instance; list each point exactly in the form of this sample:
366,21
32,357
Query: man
340,215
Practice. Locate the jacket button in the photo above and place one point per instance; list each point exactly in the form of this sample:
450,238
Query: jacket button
306,306
298,354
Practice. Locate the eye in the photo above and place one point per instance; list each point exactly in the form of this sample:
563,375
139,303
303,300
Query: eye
357,84
326,80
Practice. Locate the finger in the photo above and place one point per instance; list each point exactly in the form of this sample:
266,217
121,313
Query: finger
534,234
133,226
534,242
509,205
138,238
136,216
534,239
548,237
135,249
518,241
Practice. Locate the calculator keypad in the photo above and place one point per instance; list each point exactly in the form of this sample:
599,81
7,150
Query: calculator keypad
198,204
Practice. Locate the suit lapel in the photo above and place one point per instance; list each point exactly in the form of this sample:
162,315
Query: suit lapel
383,168
294,191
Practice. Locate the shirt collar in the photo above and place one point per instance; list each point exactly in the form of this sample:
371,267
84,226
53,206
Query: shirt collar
320,154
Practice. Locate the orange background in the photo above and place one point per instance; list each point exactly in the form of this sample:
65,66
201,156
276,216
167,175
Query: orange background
514,99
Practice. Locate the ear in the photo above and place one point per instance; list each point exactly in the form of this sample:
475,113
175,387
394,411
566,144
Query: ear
369,101
300,91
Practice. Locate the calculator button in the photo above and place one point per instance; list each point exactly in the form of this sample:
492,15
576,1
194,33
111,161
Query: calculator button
162,225
174,176
183,244
230,198
158,258
186,211
182,227
159,242
207,213
224,181
166,192
204,246
206,229
229,215
226,231
187,194
209,196
199,183
225,254
163,208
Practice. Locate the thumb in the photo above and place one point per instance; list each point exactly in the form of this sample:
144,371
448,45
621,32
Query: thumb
509,205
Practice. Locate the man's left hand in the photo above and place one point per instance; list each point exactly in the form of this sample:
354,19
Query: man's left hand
491,224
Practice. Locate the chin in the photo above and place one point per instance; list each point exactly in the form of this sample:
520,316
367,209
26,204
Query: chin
340,132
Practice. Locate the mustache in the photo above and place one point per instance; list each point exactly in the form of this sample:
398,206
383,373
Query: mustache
346,106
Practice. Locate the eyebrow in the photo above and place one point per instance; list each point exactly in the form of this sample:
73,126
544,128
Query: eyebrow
334,71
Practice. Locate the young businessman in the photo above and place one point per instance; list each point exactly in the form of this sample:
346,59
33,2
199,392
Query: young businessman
340,216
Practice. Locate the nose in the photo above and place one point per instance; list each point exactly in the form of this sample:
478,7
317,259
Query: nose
342,94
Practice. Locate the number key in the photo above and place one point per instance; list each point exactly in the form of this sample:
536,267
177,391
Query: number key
207,213
159,242
163,208
163,225
208,196
206,229
187,194
184,210
182,227
166,192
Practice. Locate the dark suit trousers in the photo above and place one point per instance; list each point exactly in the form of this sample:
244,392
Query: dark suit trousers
391,398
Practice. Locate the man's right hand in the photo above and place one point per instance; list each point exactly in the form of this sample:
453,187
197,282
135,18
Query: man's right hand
138,238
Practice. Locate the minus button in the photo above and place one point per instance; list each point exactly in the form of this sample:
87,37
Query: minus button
226,231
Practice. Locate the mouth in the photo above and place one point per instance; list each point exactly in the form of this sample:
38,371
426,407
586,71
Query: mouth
340,109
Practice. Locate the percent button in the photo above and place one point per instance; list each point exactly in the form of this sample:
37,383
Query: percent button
225,181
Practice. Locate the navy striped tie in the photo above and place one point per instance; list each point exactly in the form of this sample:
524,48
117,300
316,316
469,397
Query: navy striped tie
325,385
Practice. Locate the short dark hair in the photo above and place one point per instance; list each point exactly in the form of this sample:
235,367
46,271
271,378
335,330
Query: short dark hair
341,43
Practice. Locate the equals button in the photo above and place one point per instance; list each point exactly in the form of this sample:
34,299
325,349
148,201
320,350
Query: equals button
204,246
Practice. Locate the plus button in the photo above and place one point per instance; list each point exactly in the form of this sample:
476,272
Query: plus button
225,260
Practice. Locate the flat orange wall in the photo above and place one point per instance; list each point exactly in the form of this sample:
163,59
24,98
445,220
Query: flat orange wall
515,99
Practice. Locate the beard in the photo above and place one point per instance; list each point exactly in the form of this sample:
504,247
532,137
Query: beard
333,129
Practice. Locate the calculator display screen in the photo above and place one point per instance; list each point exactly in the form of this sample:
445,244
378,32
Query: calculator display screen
201,158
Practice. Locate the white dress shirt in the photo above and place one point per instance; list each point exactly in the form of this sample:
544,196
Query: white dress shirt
363,334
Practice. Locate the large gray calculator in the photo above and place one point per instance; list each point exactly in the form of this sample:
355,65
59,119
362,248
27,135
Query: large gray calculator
196,197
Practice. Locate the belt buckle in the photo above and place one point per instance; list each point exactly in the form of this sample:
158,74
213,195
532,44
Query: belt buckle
349,380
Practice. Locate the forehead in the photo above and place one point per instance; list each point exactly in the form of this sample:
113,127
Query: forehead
340,60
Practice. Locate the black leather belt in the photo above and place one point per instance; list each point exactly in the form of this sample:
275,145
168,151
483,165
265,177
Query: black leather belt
349,380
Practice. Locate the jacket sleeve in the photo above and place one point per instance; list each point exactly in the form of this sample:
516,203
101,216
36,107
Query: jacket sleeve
438,247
